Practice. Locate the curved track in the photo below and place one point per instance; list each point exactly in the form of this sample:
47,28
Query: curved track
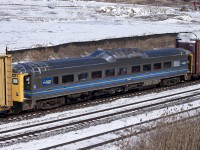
139,131
49,128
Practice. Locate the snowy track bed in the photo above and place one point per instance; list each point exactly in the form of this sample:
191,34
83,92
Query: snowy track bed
109,132
96,118
109,137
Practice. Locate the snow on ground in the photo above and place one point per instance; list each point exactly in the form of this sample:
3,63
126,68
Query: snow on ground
33,23
93,130
61,138
91,109
35,144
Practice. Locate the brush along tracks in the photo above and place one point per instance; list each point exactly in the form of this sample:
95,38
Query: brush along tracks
134,130
116,135
97,101
64,125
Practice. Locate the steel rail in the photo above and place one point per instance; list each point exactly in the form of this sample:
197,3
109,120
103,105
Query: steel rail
36,133
107,109
119,129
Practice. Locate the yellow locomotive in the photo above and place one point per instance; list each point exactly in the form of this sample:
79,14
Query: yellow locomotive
11,85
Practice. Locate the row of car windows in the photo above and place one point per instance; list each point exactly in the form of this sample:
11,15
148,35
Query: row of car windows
111,72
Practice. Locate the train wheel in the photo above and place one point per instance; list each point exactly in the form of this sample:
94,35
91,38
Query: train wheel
188,77
170,81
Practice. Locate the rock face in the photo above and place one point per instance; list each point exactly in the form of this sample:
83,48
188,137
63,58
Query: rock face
84,48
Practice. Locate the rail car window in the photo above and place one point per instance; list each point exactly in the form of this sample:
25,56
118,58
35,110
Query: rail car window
135,69
147,67
96,74
109,72
167,64
122,71
68,78
55,80
176,64
83,76
27,83
157,66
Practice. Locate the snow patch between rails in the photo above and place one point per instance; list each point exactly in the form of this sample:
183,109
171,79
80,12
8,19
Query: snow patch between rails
93,130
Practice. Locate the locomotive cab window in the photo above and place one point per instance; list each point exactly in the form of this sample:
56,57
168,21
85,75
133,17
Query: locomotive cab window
27,83
96,74
109,72
68,78
157,66
167,64
55,80
122,71
135,69
147,67
82,76
15,81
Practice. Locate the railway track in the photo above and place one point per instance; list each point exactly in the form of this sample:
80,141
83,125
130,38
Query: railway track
142,127
98,101
73,123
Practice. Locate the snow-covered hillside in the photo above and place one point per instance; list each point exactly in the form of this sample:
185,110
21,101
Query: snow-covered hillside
33,23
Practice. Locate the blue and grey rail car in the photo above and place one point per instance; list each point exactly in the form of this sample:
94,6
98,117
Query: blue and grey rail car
54,83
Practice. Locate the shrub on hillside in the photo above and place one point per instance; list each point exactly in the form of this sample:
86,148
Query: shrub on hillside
178,136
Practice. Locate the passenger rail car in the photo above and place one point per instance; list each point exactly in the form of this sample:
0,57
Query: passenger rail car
48,84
